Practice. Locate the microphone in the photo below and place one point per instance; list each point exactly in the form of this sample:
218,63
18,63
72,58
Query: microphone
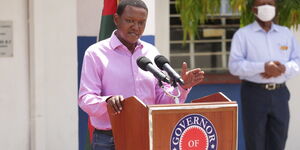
145,64
163,64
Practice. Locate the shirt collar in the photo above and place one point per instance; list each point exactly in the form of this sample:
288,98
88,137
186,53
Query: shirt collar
115,42
257,27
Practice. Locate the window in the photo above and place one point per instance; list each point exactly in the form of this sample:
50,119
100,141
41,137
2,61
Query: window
210,50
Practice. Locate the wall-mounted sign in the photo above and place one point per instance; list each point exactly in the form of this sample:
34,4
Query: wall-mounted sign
6,42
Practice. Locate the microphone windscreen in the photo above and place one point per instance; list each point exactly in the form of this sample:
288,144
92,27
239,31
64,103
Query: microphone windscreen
160,60
142,62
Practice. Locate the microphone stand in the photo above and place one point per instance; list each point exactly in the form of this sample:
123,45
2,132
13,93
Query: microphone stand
175,97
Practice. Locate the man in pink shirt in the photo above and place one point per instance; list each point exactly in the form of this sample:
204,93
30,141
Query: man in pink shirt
110,73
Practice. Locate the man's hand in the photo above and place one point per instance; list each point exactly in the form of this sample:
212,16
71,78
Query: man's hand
192,77
280,66
115,102
273,69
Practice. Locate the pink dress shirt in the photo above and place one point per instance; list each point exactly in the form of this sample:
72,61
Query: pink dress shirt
108,69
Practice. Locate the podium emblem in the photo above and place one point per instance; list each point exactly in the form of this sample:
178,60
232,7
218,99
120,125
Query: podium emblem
194,132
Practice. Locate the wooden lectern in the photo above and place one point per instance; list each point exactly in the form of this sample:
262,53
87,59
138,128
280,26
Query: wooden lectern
142,127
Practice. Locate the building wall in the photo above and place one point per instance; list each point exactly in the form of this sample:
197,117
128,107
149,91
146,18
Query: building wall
88,17
14,75
38,92
53,74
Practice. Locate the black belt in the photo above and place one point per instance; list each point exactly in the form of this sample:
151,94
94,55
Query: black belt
106,132
267,86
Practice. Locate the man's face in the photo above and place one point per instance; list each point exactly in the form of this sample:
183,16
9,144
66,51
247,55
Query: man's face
262,2
131,24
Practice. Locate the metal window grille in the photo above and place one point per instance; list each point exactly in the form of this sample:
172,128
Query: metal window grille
210,50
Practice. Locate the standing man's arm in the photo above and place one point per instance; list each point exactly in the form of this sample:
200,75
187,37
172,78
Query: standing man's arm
293,65
238,64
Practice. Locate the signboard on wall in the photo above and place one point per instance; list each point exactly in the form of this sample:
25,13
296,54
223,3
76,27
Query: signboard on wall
6,42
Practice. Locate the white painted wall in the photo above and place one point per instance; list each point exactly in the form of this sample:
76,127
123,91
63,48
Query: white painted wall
14,75
162,26
150,25
89,17
294,130
53,74
38,92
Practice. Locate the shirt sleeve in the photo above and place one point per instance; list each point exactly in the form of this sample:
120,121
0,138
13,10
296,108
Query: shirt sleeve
90,99
238,64
163,98
292,66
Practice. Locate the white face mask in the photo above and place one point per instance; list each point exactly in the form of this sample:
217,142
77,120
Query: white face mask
265,13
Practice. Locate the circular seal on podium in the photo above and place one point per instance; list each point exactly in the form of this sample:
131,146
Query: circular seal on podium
194,132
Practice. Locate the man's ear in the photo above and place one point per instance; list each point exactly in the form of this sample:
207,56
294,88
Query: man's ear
116,19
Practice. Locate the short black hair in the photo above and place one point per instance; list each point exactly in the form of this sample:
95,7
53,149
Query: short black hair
136,3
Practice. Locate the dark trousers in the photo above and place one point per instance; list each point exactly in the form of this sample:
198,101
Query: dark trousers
265,117
103,141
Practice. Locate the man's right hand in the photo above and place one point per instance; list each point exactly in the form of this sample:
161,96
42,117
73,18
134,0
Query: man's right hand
115,102
273,69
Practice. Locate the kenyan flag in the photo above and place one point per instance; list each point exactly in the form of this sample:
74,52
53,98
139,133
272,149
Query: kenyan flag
106,28
107,23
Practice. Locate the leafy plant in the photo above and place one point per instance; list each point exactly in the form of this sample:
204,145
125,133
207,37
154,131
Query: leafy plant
288,13
195,12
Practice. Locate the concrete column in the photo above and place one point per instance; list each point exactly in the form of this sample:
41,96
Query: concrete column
53,74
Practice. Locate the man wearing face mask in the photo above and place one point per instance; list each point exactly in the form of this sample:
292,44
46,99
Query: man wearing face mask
264,55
